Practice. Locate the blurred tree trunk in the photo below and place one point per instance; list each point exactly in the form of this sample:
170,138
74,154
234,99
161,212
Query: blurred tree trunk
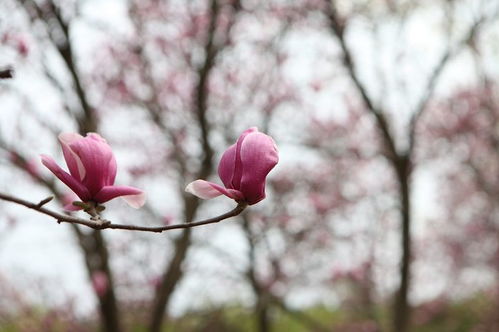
174,272
401,309
93,244
262,297
97,261
400,163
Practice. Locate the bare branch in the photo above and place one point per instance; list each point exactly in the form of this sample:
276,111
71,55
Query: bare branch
338,27
6,73
435,75
99,226
44,201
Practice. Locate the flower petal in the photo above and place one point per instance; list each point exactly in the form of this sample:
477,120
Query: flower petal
135,201
258,156
226,166
76,186
133,196
206,190
98,160
238,165
74,163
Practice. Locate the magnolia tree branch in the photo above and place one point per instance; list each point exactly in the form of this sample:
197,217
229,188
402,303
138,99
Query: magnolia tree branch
100,224
337,25
6,73
450,53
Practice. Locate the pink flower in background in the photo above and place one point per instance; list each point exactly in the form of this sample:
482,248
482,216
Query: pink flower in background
242,169
168,219
100,283
92,170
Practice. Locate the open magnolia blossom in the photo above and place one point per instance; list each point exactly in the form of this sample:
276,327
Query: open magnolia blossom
243,169
92,171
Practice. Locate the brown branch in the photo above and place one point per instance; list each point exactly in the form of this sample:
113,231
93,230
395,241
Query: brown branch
337,25
173,271
57,26
87,120
93,244
6,73
262,295
202,90
402,165
435,75
105,225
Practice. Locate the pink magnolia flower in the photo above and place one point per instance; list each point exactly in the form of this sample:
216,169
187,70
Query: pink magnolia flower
92,170
242,169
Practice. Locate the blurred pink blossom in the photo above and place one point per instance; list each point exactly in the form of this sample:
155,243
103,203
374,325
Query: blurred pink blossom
17,41
168,219
100,283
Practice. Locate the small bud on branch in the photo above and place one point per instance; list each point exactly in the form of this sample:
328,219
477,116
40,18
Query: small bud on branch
44,201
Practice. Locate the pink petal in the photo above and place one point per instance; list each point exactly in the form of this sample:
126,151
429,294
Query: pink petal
235,194
135,201
74,163
112,167
100,283
226,166
206,190
258,156
98,160
135,197
76,186
238,166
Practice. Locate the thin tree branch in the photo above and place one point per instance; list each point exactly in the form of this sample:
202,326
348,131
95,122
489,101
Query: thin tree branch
338,27
435,75
93,244
6,73
173,271
99,226
401,163
202,90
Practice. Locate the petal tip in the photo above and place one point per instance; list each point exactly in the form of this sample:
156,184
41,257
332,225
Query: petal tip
204,189
136,201
45,158
67,138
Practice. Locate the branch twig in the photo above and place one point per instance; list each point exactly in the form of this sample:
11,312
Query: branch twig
99,226
338,27
6,73
429,90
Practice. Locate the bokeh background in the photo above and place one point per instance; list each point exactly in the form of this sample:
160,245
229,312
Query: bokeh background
382,214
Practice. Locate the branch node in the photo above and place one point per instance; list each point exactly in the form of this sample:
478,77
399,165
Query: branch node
99,222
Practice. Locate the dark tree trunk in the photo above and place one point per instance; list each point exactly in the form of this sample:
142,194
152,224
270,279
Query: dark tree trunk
401,304
96,255
174,272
